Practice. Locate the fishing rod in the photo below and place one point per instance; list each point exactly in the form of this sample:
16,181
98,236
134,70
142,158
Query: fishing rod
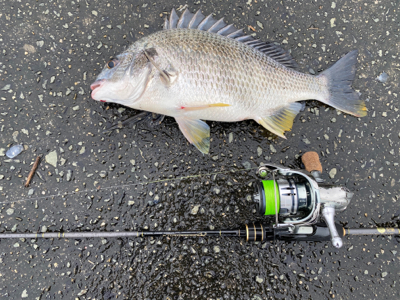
303,206
255,232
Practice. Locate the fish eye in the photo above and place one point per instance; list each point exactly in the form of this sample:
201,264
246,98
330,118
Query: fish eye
112,63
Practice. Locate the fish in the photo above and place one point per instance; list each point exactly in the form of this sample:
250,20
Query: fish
199,68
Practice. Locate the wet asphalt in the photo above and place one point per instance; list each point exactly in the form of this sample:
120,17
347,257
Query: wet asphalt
130,178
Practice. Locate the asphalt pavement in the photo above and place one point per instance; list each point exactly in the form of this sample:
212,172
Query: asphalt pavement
145,177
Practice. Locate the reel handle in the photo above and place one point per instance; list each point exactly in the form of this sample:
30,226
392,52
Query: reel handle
328,213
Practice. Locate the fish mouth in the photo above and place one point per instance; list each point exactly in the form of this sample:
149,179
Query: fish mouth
95,87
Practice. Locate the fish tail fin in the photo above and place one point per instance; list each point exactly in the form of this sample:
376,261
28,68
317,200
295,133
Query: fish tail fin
339,78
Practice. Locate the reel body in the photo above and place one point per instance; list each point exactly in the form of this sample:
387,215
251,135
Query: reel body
297,201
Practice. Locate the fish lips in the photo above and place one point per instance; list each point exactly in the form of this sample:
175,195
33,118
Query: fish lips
95,86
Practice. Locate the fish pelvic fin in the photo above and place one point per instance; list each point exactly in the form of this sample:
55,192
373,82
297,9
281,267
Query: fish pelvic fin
281,120
338,79
197,132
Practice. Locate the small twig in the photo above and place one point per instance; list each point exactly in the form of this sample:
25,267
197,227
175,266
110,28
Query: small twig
33,170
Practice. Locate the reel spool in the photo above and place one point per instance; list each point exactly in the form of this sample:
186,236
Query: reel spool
293,198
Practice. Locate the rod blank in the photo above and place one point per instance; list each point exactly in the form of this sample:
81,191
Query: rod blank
372,231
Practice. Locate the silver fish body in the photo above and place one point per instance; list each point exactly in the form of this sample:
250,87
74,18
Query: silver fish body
207,70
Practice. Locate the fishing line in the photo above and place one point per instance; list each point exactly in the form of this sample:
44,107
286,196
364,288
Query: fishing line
76,192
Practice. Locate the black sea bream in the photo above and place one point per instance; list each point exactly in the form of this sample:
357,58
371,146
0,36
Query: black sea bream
199,68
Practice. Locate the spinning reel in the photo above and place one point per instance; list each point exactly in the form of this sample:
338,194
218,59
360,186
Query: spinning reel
297,199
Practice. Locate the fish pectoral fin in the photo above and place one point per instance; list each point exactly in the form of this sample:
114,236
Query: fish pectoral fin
197,133
281,120
169,75
188,108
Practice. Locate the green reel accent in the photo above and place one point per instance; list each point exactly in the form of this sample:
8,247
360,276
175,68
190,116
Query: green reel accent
269,194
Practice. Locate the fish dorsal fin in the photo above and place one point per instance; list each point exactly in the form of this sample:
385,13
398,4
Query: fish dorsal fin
200,22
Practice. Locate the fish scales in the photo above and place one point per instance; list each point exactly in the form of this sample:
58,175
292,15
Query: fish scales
227,71
200,68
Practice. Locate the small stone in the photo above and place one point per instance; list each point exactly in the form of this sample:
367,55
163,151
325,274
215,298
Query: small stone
31,191
333,20
103,174
230,137
24,294
94,13
44,228
259,279
217,191
259,24
332,173
82,150
272,148
29,48
69,175
217,249
104,241
195,209
16,245
383,77
259,151
384,274
75,108
14,151
51,158
10,211
246,165
6,87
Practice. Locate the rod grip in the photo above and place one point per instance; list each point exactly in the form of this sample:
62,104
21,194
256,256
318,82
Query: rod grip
311,161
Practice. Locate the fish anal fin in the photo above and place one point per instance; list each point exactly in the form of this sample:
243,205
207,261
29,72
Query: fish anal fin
197,132
281,120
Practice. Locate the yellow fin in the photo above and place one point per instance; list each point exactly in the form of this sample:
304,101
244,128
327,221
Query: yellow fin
197,133
282,120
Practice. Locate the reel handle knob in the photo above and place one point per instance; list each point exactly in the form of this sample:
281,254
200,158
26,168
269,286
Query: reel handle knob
312,164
